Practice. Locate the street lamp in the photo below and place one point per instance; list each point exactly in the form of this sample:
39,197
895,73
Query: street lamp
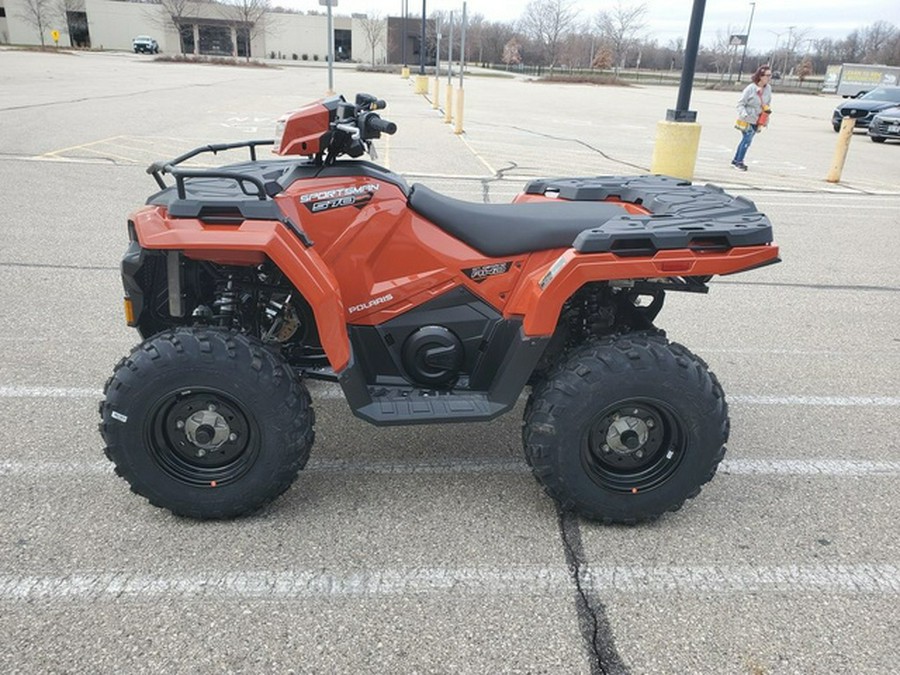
775,49
746,40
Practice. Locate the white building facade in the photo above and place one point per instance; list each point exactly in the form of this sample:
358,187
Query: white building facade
205,29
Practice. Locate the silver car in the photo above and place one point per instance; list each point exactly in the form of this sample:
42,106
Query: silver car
145,43
885,125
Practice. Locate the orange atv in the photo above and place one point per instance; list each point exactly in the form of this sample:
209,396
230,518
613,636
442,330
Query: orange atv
247,280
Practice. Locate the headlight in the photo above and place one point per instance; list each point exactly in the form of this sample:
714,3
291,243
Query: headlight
279,130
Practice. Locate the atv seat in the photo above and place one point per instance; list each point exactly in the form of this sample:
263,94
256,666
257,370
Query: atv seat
499,230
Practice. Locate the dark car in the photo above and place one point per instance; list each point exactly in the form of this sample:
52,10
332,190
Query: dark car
885,125
146,44
866,106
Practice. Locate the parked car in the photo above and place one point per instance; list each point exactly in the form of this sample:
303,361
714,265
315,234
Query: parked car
145,44
885,125
866,106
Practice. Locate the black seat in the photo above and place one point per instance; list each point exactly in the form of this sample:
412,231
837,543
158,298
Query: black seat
499,230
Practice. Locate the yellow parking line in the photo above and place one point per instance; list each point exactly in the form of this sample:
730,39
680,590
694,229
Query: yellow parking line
479,157
104,153
79,147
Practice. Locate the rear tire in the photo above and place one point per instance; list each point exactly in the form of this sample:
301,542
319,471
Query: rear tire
626,429
878,139
207,423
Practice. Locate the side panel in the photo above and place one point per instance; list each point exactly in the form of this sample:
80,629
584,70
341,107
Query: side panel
389,259
303,266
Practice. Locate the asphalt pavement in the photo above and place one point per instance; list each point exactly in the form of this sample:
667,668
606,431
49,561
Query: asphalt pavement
432,549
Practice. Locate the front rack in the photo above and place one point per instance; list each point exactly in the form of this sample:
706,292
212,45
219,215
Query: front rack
157,169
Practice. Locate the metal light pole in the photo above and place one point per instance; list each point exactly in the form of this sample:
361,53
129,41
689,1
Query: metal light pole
460,96
681,112
404,9
330,48
448,110
678,136
746,40
422,44
789,50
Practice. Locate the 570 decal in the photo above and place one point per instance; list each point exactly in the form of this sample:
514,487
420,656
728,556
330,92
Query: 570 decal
325,200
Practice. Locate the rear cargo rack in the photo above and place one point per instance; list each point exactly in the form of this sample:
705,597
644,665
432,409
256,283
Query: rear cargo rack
157,169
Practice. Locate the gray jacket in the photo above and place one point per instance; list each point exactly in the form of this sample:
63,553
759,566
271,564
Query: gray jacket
749,107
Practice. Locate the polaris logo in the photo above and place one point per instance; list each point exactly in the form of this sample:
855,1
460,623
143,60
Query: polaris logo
371,303
479,274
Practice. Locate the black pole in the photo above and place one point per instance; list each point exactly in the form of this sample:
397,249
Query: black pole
403,11
422,46
681,112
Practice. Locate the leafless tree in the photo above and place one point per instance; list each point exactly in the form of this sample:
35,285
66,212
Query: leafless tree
373,27
250,19
619,28
62,9
512,53
176,13
876,40
548,22
37,14
494,37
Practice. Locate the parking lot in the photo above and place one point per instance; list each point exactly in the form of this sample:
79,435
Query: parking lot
432,549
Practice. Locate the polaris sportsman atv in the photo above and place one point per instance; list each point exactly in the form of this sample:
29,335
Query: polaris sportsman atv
248,280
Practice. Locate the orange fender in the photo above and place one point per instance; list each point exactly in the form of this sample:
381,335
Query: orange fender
248,244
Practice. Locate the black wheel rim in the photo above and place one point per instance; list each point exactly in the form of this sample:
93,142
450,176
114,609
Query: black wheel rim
202,437
633,446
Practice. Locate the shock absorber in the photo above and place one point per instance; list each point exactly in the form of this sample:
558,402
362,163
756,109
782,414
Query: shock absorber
225,306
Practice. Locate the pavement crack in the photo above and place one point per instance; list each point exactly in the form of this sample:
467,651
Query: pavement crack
498,176
585,145
595,629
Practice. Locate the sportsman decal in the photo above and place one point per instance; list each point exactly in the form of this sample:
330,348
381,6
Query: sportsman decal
324,200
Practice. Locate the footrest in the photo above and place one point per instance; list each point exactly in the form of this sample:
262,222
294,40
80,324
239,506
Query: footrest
405,405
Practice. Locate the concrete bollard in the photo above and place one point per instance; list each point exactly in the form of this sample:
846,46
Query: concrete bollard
436,99
448,110
404,72
460,102
675,151
840,150
421,84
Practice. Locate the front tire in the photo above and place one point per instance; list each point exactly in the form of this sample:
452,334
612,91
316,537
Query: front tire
626,429
207,423
878,139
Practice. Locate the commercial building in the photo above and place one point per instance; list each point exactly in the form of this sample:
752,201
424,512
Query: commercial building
186,26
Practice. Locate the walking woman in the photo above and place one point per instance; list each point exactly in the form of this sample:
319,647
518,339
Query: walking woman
753,113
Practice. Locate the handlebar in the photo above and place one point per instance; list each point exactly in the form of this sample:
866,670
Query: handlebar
375,123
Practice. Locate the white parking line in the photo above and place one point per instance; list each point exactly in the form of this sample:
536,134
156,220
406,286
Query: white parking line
327,391
481,465
529,580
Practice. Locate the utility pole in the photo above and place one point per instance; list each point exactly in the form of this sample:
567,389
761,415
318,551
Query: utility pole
746,40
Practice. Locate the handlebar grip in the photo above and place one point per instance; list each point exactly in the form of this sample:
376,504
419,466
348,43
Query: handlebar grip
375,123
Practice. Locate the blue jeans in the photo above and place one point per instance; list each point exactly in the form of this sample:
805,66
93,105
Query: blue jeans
744,145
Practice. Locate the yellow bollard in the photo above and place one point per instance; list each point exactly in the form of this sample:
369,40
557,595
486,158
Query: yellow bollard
448,111
404,72
675,151
421,84
460,99
436,100
840,151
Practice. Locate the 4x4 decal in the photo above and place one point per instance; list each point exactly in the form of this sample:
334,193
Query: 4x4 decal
482,272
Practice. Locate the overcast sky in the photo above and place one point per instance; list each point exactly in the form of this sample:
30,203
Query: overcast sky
669,19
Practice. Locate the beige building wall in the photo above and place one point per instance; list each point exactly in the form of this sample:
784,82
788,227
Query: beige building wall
112,25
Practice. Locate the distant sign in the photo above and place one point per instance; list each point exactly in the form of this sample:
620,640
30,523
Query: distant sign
55,35
325,3
737,40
